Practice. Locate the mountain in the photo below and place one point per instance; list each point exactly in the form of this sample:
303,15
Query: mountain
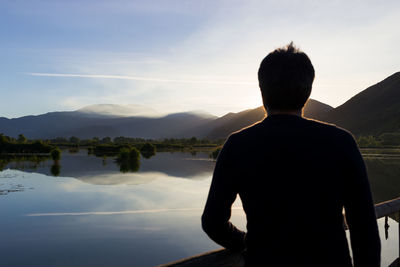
232,122
371,112
91,124
374,111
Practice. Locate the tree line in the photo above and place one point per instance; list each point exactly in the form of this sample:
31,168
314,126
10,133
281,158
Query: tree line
383,140
121,140
22,145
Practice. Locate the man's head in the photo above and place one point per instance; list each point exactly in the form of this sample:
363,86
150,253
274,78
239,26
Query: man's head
285,77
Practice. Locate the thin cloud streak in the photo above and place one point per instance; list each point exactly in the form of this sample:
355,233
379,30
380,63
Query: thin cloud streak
116,212
137,78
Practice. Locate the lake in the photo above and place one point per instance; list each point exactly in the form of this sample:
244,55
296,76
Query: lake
92,214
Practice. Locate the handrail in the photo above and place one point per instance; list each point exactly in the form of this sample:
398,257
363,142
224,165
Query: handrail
387,208
226,258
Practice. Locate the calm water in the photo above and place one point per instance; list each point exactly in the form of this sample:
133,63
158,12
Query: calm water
94,215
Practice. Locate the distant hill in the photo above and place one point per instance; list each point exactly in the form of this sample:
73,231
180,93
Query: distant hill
373,111
232,122
92,124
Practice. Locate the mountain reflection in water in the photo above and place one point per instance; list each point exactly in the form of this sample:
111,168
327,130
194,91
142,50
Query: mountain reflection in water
97,170
383,168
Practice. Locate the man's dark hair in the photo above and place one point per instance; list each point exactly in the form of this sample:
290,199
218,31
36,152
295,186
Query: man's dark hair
285,77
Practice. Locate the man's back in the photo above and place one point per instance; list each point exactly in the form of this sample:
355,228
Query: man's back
294,176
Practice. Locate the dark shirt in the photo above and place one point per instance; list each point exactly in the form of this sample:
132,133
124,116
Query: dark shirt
294,177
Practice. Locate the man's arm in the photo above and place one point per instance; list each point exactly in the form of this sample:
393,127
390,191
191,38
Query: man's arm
217,212
360,211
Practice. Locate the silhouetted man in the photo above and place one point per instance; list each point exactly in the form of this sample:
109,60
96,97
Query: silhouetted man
294,177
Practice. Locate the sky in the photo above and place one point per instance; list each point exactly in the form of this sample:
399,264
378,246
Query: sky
183,55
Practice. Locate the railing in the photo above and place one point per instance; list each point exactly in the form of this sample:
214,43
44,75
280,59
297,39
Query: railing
226,258
384,209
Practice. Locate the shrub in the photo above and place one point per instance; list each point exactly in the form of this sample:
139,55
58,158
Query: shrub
134,153
148,150
124,154
55,154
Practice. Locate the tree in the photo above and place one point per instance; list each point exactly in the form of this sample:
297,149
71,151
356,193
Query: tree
128,159
134,153
215,153
123,154
3,138
193,140
390,139
205,141
106,140
74,140
367,141
56,154
119,140
59,140
21,139
148,150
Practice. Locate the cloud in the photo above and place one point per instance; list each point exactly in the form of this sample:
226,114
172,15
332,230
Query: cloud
139,78
118,212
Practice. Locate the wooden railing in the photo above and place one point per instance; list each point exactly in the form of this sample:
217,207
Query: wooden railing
226,258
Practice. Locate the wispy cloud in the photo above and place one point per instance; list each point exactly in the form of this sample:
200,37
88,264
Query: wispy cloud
139,78
117,212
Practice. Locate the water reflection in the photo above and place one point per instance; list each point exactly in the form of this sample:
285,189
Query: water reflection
88,168
73,150
128,160
148,150
117,225
147,154
383,167
384,174
22,162
11,189
55,169
129,165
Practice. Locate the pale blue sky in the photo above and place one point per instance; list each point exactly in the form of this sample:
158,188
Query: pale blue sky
184,55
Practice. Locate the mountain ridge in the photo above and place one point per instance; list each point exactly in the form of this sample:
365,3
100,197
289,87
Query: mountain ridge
71,123
373,111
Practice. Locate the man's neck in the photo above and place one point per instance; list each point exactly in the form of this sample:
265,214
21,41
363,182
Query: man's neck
285,112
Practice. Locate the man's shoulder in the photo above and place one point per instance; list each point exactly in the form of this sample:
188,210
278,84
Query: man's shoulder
309,125
327,128
247,131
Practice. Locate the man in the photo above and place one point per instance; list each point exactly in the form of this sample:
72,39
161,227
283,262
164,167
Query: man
294,177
